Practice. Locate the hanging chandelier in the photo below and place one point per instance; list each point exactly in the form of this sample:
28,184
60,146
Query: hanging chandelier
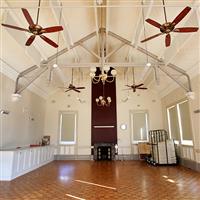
102,100
103,76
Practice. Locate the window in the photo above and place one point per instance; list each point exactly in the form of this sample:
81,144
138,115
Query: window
68,126
179,123
139,126
173,123
186,127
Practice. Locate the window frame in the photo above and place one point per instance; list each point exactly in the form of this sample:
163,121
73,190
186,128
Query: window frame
181,140
60,142
169,123
132,112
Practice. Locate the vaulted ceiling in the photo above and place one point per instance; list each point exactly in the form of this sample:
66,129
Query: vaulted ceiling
80,18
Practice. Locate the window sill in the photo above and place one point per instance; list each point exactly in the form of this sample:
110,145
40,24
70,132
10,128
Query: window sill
140,141
187,143
67,143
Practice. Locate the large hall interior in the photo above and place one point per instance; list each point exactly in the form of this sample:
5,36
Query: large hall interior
99,99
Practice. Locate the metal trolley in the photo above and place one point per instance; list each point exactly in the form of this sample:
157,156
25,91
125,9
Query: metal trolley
155,137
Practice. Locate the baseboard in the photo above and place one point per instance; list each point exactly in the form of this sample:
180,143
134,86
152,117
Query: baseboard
190,164
127,157
90,157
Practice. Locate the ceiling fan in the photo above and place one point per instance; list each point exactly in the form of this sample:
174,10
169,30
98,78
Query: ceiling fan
135,86
73,87
168,27
36,29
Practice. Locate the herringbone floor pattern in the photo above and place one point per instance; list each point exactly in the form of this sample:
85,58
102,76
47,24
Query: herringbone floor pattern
106,180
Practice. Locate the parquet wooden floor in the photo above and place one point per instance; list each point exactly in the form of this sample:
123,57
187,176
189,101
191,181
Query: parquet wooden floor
104,180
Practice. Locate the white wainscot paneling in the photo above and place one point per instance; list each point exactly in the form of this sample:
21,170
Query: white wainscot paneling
188,152
197,155
14,163
135,148
124,150
66,150
84,150
6,164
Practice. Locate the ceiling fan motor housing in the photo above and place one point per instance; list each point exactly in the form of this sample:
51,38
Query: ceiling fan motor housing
167,27
35,29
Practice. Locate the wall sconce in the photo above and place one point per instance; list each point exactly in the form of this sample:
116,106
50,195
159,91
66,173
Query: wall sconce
4,112
197,111
123,126
99,2
16,97
126,99
190,95
80,100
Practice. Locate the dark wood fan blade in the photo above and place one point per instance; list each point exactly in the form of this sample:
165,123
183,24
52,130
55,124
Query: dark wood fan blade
46,39
181,15
30,40
52,29
80,88
149,38
139,85
68,90
142,88
27,16
128,89
76,90
128,85
167,40
186,29
154,23
15,27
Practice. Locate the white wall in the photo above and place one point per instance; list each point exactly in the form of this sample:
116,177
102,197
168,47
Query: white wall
188,152
24,124
61,101
140,100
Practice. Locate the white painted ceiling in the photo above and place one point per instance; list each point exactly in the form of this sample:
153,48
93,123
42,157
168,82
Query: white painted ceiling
79,18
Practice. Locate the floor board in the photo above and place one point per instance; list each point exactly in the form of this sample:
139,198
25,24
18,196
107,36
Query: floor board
104,180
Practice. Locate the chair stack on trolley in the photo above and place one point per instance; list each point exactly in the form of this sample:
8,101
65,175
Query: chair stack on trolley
161,149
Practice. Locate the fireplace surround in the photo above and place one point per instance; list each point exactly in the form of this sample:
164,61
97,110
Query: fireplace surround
104,151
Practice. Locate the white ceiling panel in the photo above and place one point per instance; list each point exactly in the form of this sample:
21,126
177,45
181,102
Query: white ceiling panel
78,17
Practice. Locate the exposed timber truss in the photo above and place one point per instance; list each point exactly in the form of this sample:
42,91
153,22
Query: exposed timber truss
103,60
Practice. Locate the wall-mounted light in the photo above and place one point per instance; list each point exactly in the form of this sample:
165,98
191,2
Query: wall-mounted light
126,99
190,95
55,65
16,97
80,100
197,111
4,112
99,2
148,64
123,126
